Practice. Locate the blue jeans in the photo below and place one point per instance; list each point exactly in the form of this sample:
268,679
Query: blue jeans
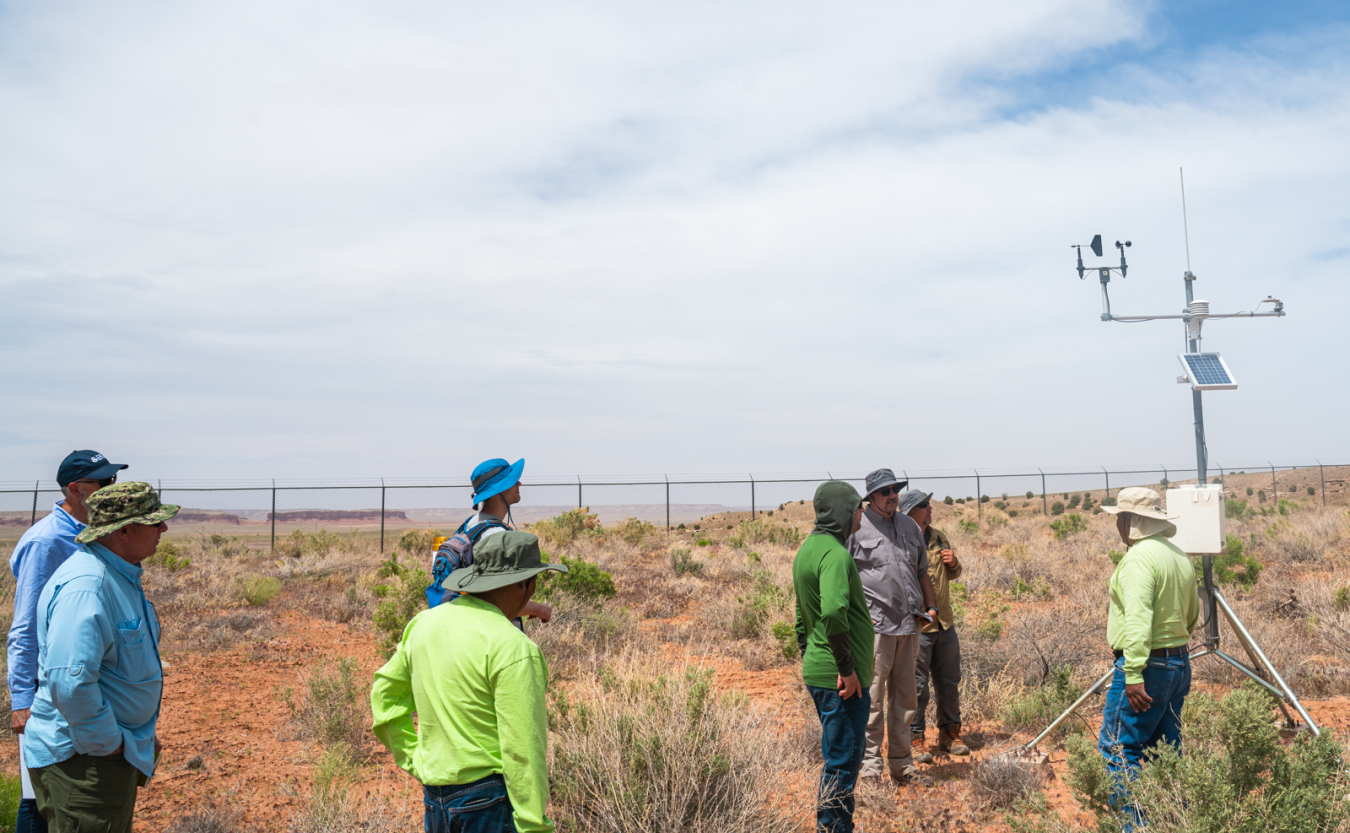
480,807
843,739
28,819
1126,734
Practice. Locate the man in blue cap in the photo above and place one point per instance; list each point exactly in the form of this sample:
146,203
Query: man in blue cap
44,547
496,488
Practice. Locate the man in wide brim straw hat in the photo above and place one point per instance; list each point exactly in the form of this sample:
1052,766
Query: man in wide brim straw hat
91,739
476,684
1154,609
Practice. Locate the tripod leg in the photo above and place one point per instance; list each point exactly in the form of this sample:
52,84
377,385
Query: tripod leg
1070,710
1259,669
1265,663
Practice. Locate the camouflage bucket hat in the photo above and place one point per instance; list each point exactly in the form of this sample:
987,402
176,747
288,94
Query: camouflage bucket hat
113,507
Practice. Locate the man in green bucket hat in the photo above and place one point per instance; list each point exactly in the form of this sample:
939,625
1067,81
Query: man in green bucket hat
476,684
90,741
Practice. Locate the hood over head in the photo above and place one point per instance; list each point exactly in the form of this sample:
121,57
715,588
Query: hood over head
836,502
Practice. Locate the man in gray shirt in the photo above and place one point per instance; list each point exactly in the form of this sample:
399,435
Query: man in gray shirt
893,564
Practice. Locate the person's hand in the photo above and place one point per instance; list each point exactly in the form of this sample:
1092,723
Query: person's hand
1138,697
949,558
849,687
538,610
18,719
159,747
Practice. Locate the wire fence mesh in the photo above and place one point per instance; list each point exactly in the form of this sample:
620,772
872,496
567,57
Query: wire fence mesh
263,513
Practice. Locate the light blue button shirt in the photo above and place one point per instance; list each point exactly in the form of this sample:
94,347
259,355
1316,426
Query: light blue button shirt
44,547
99,676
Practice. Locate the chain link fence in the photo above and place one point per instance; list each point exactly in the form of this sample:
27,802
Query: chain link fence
264,514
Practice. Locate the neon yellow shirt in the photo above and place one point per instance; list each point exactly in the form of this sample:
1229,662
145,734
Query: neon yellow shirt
477,685
1154,603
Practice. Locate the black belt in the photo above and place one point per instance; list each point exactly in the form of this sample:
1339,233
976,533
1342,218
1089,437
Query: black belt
1180,650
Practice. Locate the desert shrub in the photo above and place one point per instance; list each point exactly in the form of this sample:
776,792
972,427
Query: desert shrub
1000,504
1057,508
563,530
968,527
948,500
1012,513
760,531
1316,533
298,543
169,556
1115,556
256,590
1235,775
1261,495
634,531
755,609
210,818
416,541
683,563
332,708
1035,707
984,498
333,806
1074,501
1001,780
1250,491
1069,525
1233,566
1311,491
638,751
402,594
583,580
1237,509
1030,494
785,634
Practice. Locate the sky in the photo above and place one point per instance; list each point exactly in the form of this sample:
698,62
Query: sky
352,240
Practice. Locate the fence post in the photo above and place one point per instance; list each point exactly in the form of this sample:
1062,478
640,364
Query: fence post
274,515
1274,487
1108,486
1166,481
979,498
667,477
578,491
752,496
1323,475
1223,482
381,514
1045,507
33,519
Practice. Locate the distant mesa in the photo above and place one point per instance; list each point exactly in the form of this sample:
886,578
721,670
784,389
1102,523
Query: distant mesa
197,516
355,516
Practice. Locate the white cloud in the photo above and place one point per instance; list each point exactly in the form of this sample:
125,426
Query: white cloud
344,240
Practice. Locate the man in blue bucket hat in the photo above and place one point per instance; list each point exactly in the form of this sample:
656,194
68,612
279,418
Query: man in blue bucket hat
496,488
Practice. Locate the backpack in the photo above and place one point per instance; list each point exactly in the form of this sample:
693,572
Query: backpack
453,553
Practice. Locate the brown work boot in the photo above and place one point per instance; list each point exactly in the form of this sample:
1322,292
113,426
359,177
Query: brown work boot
911,777
919,749
949,741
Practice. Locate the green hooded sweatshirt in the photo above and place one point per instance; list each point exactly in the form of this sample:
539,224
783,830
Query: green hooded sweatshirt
830,600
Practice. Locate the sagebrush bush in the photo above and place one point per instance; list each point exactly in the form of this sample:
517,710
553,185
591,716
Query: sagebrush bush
1070,524
563,530
760,531
634,531
1057,508
635,750
257,590
402,594
332,708
683,563
1000,780
582,579
169,556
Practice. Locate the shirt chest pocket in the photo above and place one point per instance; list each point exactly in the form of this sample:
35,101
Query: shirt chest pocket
871,551
136,660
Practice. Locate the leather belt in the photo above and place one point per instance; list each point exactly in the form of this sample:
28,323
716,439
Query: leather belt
1180,650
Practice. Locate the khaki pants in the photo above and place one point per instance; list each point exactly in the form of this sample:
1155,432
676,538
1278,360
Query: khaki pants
895,700
87,794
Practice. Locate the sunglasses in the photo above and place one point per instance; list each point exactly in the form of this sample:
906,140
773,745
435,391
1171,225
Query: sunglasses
106,481
887,491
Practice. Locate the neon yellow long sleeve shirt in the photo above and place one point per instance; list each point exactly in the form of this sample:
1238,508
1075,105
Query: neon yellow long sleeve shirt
1154,603
476,684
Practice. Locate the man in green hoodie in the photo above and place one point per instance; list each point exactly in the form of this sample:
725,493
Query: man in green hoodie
834,632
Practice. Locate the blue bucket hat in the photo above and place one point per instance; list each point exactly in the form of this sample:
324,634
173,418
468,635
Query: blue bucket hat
492,477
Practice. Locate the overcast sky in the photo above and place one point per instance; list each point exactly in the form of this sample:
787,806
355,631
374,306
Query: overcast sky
332,239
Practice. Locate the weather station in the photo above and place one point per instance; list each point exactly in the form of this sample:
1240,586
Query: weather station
1199,508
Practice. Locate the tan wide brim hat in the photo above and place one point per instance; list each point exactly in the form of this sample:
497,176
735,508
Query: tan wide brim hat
1139,501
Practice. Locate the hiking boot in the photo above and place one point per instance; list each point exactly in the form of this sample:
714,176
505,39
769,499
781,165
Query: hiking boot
911,777
950,742
919,748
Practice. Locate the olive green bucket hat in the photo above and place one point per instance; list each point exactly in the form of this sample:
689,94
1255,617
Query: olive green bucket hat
120,504
499,560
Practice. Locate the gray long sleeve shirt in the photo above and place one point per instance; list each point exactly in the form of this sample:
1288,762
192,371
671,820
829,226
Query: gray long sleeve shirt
891,555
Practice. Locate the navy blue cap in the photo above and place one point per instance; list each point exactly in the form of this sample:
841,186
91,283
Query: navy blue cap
82,465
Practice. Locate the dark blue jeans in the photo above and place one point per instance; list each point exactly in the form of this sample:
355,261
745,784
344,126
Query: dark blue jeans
1126,734
843,739
29,820
480,807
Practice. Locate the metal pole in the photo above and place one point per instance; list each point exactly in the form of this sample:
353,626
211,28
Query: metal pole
752,496
1045,507
32,520
979,498
1223,480
1201,467
1071,709
1322,474
381,514
1265,661
578,491
1108,486
667,477
1274,487
274,515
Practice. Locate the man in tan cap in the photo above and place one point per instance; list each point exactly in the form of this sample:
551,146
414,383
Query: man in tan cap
1154,609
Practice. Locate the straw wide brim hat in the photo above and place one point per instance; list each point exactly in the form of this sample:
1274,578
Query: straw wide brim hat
1139,501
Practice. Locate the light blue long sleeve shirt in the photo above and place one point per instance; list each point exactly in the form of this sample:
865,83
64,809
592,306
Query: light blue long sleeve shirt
44,547
99,675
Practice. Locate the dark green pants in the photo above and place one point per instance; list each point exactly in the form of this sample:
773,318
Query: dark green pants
87,794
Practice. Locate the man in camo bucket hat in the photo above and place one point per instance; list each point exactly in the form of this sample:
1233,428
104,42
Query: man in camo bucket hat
91,739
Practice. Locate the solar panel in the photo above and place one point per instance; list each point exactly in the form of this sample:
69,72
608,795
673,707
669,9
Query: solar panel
1207,371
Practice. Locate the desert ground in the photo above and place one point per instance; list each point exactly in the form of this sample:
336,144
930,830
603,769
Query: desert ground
675,696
